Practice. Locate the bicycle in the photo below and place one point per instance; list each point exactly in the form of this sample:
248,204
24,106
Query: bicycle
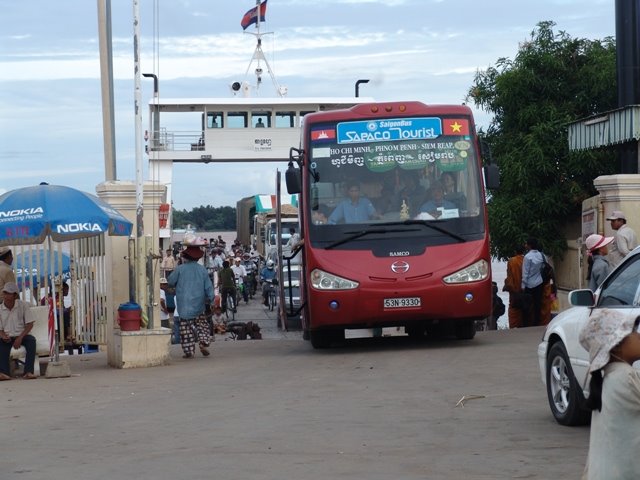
252,283
230,304
272,298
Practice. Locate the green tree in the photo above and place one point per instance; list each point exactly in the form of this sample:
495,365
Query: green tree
206,218
553,80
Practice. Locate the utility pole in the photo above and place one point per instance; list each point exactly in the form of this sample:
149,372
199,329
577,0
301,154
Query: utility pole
141,281
106,86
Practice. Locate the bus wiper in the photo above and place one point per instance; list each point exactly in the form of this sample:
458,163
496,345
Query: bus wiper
432,225
362,233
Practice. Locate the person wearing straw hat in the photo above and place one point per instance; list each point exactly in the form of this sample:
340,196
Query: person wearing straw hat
16,323
611,337
625,238
193,289
6,272
599,268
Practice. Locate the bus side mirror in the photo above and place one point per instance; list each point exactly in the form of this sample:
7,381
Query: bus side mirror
492,177
292,179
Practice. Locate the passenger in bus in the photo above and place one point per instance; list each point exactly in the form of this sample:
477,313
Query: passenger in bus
437,204
410,193
320,216
353,209
451,192
260,123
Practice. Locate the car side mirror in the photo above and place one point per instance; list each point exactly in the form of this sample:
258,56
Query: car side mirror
582,298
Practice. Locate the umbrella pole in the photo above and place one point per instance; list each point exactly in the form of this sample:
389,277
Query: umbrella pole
52,285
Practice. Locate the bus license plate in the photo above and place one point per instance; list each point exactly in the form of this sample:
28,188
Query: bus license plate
402,302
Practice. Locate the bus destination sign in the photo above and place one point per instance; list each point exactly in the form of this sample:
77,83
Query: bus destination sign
390,129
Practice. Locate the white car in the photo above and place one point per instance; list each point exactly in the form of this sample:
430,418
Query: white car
564,364
291,289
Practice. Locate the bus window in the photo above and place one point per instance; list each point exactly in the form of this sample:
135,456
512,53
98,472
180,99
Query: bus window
237,120
285,119
261,119
214,120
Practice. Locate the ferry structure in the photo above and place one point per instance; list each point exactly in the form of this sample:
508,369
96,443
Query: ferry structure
239,128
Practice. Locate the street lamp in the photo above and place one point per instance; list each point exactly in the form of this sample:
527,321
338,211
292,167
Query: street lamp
358,86
155,82
155,134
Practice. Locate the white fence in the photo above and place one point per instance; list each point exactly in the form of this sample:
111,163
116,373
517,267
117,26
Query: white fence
81,264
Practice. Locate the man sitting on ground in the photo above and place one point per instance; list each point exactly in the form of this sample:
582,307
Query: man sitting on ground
15,324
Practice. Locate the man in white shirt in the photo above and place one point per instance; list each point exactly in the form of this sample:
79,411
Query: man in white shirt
165,315
15,324
625,238
168,263
240,273
6,271
292,243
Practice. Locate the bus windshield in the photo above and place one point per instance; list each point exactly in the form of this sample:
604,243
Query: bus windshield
400,172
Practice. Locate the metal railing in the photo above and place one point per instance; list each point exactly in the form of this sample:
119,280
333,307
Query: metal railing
180,141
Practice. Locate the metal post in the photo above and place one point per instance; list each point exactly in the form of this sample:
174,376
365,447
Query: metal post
140,253
106,84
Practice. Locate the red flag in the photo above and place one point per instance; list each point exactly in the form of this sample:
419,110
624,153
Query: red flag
455,126
52,327
251,16
324,134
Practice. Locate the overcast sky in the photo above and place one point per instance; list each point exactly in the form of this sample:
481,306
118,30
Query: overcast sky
426,50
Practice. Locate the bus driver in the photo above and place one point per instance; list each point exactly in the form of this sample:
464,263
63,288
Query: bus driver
353,209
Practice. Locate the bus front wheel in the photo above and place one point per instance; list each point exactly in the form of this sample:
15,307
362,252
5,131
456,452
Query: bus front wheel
416,332
323,338
465,330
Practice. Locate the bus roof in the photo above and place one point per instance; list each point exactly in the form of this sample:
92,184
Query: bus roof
258,102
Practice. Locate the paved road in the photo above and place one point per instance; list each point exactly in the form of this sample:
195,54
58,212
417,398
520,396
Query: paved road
276,409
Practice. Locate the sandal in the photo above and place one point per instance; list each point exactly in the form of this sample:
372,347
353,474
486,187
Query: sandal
29,376
205,351
187,355
4,376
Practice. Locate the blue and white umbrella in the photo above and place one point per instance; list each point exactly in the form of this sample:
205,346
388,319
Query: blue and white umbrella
30,265
31,215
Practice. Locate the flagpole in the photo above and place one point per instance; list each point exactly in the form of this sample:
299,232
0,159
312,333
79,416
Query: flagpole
258,54
258,6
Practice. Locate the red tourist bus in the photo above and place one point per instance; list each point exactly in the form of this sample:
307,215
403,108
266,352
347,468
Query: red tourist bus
394,220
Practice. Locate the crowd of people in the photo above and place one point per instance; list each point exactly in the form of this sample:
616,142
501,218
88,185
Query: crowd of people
532,296
202,275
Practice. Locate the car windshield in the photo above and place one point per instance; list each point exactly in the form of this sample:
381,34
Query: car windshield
622,288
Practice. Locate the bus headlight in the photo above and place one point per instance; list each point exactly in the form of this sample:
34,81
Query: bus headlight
473,273
327,281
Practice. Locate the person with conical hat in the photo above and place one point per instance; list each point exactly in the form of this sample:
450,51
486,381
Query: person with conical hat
194,291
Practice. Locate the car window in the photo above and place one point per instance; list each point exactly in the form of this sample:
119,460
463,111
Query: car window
621,288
